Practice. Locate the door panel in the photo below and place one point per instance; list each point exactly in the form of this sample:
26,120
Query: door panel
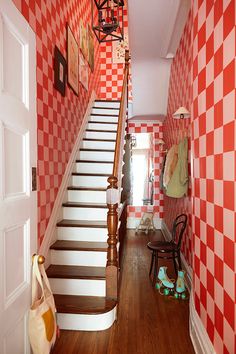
18,204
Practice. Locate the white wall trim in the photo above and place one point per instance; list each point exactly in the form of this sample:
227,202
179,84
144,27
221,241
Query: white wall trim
133,222
186,267
198,334
50,234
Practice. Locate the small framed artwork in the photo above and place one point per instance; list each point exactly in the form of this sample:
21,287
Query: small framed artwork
59,71
90,48
83,40
72,61
83,71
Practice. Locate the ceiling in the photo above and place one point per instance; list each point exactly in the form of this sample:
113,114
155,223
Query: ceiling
155,29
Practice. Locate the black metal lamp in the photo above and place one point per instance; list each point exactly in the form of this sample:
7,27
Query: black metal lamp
108,24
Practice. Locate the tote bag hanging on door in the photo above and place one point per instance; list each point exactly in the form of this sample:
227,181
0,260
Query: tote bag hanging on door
42,314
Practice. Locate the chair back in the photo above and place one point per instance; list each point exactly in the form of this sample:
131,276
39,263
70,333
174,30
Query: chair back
179,226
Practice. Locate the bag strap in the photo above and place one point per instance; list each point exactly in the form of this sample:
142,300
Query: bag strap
36,280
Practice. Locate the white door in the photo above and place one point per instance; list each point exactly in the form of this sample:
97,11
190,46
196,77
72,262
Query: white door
18,154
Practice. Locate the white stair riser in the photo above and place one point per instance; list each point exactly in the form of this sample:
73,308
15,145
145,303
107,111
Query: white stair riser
103,119
105,145
96,156
80,258
82,234
102,126
87,196
100,135
86,322
71,213
107,104
89,181
105,111
87,167
80,287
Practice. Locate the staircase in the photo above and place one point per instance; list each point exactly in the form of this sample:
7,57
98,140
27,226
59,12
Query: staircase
78,257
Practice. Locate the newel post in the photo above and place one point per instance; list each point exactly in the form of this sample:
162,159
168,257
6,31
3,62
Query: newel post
112,225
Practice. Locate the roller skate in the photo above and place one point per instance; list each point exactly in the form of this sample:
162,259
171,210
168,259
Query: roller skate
164,282
180,292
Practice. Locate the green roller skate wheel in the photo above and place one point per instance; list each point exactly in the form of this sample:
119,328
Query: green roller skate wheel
183,296
176,295
158,286
166,291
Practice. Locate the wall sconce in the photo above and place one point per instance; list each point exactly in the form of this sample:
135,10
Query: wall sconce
108,23
181,113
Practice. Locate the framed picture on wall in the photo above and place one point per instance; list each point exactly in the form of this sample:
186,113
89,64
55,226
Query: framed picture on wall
83,40
72,61
83,71
59,71
90,48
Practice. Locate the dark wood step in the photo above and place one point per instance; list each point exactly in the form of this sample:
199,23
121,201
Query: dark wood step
96,150
91,305
93,161
104,108
71,188
65,245
100,131
97,122
76,272
90,174
106,140
84,205
83,223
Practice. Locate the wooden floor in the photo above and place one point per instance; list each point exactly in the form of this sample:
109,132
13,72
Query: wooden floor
147,322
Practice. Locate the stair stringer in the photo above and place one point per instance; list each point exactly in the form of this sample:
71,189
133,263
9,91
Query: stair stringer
50,234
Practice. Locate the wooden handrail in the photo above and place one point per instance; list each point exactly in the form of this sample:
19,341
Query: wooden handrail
113,199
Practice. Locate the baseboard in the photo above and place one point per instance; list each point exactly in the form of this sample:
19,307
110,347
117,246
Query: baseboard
133,222
186,267
198,334
50,233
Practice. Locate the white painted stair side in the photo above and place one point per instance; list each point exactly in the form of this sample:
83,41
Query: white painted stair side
90,181
98,144
100,135
86,196
103,119
110,104
74,213
92,167
102,126
96,155
80,287
79,258
82,234
86,322
105,111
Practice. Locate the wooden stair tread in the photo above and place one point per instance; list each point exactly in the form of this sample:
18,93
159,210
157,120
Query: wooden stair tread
104,115
94,189
91,305
76,272
90,174
115,101
97,150
82,223
98,122
99,140
84,205
105,108
79,246
93,161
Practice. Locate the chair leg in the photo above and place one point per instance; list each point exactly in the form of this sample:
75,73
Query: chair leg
151,265
155,268
175,266
179,261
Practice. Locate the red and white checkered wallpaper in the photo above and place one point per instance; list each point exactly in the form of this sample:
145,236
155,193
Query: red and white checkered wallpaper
213,162
59,118
180,94
157,208
112,75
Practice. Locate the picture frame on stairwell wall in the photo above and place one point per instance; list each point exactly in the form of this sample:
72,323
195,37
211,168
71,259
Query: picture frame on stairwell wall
59,71
72,61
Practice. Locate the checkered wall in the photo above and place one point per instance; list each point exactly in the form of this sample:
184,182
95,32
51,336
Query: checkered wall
112,75
59,118
214,179
212,69
180,94
157,208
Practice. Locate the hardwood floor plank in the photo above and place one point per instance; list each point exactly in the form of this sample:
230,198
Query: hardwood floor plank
148,323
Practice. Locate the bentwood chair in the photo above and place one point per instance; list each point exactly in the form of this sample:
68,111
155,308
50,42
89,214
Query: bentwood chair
168,249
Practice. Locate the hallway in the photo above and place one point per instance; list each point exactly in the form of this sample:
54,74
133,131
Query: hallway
147,322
